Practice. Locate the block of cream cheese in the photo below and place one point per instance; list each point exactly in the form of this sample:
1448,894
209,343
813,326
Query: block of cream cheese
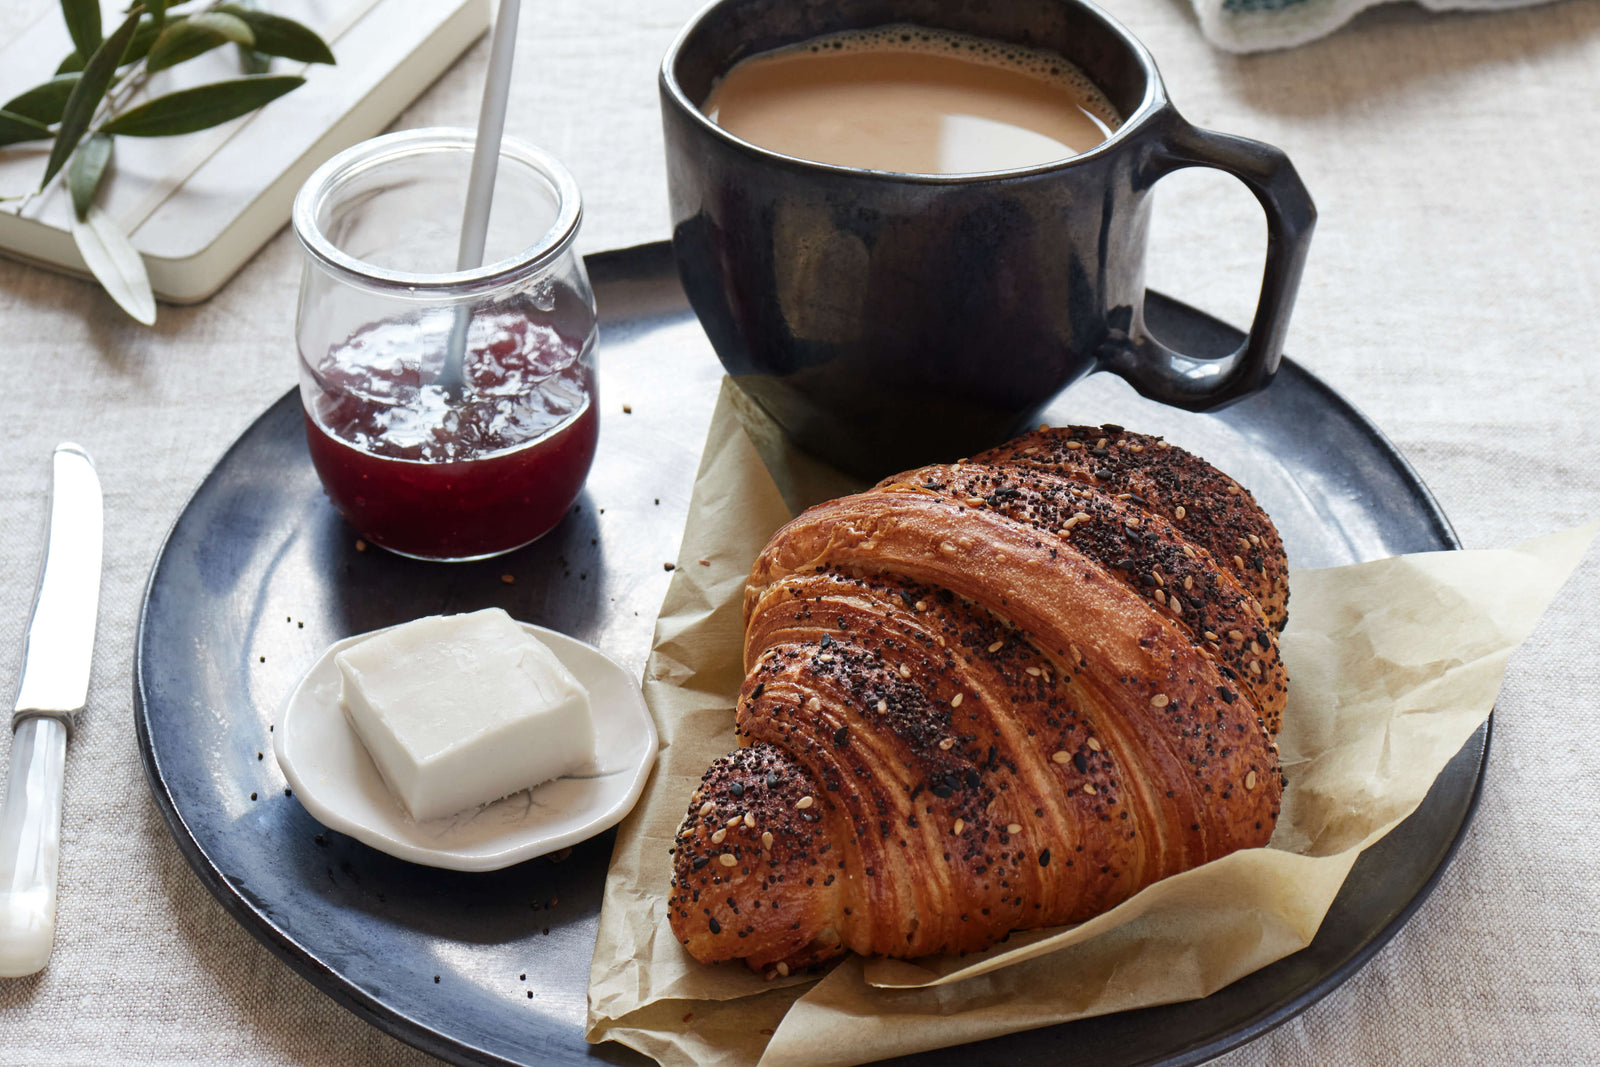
461,710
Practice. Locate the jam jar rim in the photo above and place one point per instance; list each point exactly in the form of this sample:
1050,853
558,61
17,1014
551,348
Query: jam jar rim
378,151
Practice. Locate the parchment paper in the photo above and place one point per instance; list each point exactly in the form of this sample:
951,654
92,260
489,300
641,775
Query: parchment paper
1395,663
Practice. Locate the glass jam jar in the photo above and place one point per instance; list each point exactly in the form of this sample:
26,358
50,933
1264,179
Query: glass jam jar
451,415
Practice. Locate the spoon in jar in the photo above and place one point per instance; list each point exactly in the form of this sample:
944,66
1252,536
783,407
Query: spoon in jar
480,182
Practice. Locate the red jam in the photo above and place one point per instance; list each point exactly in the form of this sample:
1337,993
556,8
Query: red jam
455,474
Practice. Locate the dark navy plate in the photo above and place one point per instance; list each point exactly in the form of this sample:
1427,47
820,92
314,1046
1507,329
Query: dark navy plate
259,575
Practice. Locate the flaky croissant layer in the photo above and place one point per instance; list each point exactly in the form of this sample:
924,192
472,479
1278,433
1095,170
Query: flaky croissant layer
989,696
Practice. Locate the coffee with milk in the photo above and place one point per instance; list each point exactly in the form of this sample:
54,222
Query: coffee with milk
913,100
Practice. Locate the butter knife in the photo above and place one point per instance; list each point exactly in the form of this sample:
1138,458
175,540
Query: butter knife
54,688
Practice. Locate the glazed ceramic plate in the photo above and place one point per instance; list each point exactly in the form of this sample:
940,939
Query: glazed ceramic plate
259,576
333,776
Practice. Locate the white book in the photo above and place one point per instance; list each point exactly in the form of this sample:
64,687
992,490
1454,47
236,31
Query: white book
198,205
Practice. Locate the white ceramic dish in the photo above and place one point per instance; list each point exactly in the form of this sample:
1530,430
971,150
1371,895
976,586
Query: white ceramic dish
331,774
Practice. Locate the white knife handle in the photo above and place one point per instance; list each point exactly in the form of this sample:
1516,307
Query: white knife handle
30,845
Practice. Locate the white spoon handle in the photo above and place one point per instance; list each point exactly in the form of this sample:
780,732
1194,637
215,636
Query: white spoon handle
30,845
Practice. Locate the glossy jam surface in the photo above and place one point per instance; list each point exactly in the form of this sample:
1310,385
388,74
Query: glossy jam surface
428,470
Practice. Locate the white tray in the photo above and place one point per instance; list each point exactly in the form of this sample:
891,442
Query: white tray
199,205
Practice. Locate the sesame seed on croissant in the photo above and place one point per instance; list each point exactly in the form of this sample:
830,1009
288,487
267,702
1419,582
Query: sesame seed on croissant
989,696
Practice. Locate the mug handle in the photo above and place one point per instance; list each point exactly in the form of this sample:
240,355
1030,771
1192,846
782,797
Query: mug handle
1205,384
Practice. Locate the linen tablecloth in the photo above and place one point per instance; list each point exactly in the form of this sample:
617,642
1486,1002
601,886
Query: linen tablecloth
1453,294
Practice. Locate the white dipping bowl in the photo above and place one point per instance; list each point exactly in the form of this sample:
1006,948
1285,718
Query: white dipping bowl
333,777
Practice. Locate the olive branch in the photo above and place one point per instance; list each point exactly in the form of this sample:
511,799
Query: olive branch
85,107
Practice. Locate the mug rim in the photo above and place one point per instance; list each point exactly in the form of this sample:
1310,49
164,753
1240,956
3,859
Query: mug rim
1154,95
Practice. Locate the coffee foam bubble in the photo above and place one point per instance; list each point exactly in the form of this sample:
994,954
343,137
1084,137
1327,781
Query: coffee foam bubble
905,37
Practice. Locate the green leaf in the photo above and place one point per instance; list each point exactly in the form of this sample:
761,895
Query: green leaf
113,260
71,65
202,107
232,27
87,94
145,36
194,35
44,102
16,128
83,24
278,36
252,62
87,168
157,10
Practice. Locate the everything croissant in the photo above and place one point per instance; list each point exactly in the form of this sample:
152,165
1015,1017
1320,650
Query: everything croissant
999,694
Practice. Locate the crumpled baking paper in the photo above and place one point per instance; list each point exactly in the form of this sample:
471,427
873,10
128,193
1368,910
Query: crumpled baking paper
1395,664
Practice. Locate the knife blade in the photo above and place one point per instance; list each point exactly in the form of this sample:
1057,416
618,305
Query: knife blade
54,687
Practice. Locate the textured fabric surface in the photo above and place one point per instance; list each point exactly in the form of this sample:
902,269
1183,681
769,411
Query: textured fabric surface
1264,25
1453,294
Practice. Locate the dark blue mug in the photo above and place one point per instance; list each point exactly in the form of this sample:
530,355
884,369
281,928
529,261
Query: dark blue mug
887,320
